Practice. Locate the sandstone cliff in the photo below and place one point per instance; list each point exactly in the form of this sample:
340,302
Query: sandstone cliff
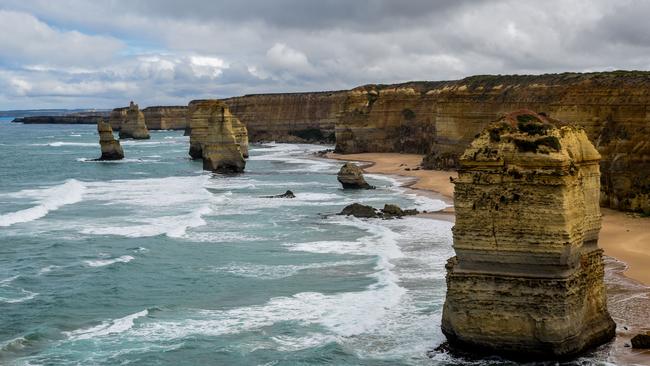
527,278
165,117
111,148
441,118
200,115
134,126
289,117
72,118
117,118
220,148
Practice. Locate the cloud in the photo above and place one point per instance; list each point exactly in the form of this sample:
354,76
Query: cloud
75,53
28,40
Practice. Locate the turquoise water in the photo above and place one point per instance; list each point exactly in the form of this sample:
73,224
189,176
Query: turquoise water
151,261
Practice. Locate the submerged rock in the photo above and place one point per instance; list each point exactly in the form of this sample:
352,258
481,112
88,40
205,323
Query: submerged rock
359,210
389,211
641,341
134,126
287,194
220,150
351,177
527,278
111,149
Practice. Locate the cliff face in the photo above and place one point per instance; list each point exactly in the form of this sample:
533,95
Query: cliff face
205,114
117,117
74,118
441,118
527,278
165,117
290,117
134,126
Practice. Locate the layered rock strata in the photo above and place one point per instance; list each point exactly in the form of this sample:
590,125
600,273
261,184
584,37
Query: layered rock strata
351,177
441,118
134,126
199,115
289,117
111,148
527,278
165,117
221,150
117,117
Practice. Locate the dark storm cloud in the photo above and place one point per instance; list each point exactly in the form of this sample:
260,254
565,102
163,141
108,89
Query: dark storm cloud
102,53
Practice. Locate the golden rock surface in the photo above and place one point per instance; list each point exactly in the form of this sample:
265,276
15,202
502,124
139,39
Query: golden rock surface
527,278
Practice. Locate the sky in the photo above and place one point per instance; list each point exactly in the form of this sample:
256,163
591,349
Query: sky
102,54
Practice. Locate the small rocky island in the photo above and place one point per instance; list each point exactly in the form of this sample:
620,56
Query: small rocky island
111,148
527,278
134,126
351,177
217,137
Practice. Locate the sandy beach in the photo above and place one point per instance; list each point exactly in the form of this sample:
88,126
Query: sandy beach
623,236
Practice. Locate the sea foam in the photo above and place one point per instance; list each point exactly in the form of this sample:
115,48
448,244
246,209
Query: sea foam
106,328
107,262
49,199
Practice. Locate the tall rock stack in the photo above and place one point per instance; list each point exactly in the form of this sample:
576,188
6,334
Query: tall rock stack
199,115
527,278
111,149
134,126
221,151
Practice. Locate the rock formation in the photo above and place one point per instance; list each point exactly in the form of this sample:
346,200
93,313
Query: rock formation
641,341
287,194
351,177
441,118
165,117
74,118
289,117
198,116
111,149
389,211
117,118
134,126
214,138
527,278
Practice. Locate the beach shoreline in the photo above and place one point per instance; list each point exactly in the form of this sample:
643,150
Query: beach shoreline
623,236
624,239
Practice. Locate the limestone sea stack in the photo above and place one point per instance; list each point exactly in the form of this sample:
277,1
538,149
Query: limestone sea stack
111,149
198,116
527,278
217,141
117,117
134,126
351,177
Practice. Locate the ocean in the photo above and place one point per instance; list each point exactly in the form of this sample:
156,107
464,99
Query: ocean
152,261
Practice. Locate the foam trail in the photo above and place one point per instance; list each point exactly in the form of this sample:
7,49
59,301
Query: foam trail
115,326
106,262
52,199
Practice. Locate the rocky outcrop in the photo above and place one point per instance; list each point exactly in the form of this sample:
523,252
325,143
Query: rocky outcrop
213,136
641,341
165,117
134,126
527,278
289,117
389,211
117,118
198,116
287,194
111,149
441,118
351,177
